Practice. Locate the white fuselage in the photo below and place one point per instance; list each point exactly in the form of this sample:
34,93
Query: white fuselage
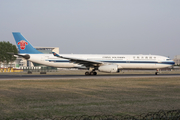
122,61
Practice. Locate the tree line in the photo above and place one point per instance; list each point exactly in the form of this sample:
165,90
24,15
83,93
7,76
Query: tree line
4,48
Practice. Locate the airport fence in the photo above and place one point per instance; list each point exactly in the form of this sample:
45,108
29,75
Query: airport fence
39,69
160,115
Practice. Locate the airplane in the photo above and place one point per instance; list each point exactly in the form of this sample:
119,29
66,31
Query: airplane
111,63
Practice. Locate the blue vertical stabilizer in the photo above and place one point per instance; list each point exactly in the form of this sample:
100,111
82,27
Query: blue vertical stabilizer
23,45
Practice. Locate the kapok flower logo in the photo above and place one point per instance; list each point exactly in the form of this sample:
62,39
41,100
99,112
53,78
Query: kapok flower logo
22,44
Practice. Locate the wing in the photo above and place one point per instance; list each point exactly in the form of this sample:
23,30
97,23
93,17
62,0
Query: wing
87,63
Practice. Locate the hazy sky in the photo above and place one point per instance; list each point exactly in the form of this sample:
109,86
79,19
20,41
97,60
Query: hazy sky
95,26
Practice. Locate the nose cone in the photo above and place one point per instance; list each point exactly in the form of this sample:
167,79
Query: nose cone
173,62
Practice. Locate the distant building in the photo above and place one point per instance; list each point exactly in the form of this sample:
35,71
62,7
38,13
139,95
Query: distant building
177,60
48,50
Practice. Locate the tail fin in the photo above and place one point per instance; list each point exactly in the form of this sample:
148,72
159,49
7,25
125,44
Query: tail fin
23,45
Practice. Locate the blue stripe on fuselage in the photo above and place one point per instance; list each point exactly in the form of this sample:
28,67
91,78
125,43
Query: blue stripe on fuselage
142,62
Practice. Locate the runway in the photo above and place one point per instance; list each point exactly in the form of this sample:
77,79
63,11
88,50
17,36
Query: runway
106,76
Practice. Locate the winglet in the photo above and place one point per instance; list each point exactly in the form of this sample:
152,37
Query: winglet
55,54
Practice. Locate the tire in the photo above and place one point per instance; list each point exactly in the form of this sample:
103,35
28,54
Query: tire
94,73
87,73
91,73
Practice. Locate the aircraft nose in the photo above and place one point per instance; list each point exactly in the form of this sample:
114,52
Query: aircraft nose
173,62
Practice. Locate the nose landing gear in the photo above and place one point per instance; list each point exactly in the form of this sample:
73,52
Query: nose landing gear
157,72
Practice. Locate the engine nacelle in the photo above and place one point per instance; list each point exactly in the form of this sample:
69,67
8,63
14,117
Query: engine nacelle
108,68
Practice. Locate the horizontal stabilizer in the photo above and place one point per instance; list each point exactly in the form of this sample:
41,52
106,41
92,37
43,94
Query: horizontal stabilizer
24,56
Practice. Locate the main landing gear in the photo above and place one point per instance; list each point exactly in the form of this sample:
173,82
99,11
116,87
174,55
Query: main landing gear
91,73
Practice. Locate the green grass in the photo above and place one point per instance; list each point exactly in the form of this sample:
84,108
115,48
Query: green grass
71,97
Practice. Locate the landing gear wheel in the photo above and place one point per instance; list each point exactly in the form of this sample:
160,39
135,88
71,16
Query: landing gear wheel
156,73
87,73
94,73
91,73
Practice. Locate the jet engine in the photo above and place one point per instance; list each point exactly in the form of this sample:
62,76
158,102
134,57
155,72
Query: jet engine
108,68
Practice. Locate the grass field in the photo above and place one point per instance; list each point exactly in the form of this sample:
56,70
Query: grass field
55,98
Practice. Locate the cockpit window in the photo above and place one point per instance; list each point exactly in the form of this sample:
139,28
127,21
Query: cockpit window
168,59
